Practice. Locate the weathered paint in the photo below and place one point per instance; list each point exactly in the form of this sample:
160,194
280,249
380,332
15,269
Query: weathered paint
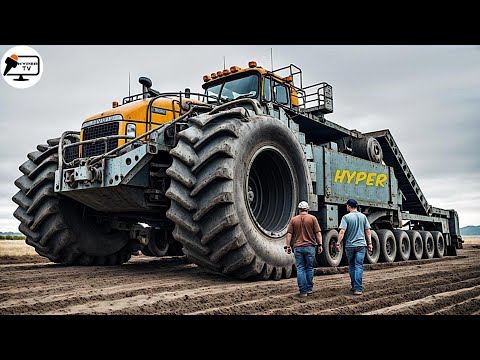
119,170
341,176
328,216
318,159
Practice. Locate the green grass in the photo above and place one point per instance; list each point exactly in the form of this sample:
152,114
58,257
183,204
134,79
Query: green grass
12,237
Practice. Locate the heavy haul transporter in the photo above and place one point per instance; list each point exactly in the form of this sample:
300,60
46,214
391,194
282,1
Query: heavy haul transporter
217,176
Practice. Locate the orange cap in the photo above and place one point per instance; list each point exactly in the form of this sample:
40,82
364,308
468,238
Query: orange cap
14,57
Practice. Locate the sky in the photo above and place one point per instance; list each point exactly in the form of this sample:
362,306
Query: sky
428,96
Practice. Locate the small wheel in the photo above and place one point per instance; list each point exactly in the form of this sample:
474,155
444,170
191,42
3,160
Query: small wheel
330,256
428,244
388,245
416,244
439,243
403,245
158,249
372,257
146,251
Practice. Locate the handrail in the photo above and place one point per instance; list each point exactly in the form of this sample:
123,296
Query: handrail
60,148
162,127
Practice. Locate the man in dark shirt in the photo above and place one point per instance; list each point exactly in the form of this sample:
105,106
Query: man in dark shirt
307,236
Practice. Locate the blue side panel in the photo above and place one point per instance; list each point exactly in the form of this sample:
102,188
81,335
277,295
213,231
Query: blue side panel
318,158
369,183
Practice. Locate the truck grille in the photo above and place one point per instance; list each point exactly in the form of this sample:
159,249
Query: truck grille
71,153
95,132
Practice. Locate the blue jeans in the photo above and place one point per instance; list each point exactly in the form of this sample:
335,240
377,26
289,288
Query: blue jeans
304,257
355,256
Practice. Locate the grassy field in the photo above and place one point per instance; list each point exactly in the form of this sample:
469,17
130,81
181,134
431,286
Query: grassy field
12,248
474,240
15,248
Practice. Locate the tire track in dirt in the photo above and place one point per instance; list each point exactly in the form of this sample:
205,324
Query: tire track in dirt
469,306
325,297
173,286
425,304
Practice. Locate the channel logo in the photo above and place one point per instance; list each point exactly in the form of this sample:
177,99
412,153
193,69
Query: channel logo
21,67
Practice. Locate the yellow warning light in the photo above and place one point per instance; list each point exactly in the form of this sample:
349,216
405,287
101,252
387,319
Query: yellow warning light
206,78
214,75
114,104
226,72
252,64
219,74
234,69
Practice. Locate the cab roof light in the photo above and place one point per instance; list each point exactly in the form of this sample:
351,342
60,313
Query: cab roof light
226,72
252,64
234,69
206,78
288,79
214,75
219,73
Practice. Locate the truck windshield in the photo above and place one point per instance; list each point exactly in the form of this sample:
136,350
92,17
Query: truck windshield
232,89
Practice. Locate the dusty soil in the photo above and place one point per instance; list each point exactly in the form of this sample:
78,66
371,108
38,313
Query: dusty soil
31,285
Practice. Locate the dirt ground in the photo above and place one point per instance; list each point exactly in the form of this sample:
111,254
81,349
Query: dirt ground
30,284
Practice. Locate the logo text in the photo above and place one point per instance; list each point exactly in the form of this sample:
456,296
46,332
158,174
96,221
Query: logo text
370,179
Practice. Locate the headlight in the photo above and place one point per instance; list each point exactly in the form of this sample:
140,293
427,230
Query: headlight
131,130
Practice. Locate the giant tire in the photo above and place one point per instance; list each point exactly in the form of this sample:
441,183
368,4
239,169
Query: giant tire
235,183
59,228
439,243
388,245
372,258
416,244
428,244
403,245
330,257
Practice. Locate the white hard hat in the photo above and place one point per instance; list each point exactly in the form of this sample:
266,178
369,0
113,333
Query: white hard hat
303,205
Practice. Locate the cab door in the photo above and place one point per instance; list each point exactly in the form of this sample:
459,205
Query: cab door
277,96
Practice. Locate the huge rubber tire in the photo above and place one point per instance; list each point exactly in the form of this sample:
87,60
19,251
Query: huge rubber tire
60,228
235,183
388,245
428,244
439,243
372,258
416,244
403,245
330,257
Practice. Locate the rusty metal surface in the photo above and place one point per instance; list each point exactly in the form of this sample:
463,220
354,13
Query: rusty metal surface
346,176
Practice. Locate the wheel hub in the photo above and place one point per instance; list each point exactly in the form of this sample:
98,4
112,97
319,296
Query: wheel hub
270,191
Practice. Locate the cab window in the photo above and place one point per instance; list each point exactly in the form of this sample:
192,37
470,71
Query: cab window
235,87
267,91
280,92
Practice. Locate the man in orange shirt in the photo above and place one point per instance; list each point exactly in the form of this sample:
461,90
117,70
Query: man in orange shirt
307,233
